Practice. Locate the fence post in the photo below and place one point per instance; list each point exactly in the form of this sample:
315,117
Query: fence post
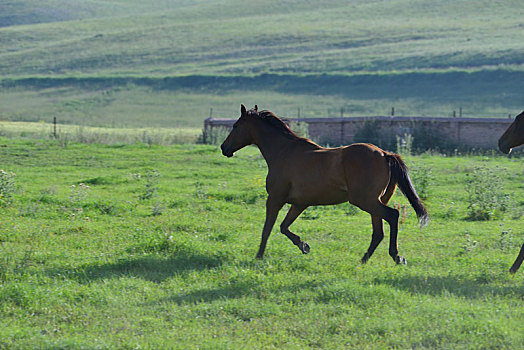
54,127
392,111
341,142
204,133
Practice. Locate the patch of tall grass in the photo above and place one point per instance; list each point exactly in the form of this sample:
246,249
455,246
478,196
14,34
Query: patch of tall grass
66,134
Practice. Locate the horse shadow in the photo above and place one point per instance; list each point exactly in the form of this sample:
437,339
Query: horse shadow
154,268
236,290
457,285
468,287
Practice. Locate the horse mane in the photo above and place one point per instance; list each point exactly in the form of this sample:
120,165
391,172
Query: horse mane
278,124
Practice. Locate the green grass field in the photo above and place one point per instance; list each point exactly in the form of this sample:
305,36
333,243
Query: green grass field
131,246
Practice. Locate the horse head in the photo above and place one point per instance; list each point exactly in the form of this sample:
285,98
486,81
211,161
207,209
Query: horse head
241,135
514,135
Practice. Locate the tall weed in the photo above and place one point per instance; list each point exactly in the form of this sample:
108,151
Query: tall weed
213,136
405,144
506,240
7,187
151,184
300,128
77,196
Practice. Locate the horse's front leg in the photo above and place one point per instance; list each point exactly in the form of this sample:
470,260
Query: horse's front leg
291,216
518,262
273,206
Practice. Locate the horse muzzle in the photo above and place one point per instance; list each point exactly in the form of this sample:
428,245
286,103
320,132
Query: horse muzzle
504,147
226,152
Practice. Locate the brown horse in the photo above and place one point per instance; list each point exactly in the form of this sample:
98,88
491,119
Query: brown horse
514,137
303,173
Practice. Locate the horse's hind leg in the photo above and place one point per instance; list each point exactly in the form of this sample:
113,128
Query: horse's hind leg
380,212
518,262
394,214
291,216
392,220
378,227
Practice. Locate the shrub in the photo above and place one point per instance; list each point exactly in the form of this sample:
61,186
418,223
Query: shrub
429,137
412,138
370,132
422,179
486,199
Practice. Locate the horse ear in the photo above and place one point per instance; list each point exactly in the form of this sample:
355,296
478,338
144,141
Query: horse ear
256,108
243,110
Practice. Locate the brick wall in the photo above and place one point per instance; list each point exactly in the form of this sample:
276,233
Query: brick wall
466,132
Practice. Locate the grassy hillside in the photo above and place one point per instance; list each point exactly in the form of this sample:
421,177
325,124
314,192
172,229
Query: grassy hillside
388,50
250,37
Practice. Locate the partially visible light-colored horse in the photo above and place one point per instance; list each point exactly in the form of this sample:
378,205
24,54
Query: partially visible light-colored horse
514,137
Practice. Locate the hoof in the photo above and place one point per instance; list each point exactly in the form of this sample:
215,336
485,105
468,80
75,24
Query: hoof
364,259
400,260
304,247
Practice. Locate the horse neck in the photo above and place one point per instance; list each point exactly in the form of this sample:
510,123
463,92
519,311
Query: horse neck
273,144
520,133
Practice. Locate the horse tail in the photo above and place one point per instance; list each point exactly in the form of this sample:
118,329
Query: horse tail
400,176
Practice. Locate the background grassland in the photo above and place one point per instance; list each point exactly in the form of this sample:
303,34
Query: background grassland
159,252
182,58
